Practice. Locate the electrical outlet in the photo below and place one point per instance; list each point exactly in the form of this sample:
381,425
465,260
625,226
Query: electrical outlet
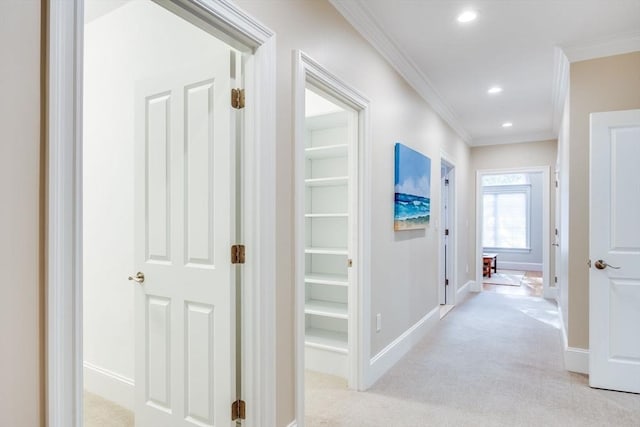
378,322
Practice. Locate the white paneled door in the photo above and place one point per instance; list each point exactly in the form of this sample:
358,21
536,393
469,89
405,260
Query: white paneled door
614,312
185,329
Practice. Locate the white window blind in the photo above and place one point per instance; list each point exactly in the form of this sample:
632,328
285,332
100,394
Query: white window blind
506,217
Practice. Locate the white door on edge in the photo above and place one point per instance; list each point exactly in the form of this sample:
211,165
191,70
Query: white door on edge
614,311
185,329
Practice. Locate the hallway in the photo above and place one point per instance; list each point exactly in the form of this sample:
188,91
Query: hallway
476,369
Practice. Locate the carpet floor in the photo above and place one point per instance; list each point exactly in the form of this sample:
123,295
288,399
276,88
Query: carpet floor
495,360
99,412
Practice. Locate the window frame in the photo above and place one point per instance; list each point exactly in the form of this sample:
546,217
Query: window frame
505,189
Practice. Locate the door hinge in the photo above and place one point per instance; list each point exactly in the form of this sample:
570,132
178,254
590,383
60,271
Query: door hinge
238,410
446,182
446,232
237,254
446,282
556,184
237,98
555,279
349,263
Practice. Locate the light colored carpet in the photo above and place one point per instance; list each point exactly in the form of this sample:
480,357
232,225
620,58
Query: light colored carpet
495,360
99,412
505,277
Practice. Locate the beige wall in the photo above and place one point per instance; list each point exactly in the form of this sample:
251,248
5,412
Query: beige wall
21,349
404,264
522,155
604,84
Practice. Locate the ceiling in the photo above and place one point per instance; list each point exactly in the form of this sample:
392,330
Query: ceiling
514,44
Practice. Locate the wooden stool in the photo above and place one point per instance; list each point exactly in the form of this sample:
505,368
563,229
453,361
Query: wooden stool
489,262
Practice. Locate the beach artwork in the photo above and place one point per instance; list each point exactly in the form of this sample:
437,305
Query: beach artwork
412,188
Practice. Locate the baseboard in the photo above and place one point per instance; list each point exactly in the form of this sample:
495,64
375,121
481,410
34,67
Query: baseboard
550,293
109,385
521,266
293,423
575,359
392,353
464,290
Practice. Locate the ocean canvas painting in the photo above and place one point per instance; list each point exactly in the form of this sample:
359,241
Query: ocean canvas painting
412,189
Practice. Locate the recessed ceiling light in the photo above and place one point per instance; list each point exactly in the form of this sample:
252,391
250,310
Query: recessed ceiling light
507,125
495,89
467,16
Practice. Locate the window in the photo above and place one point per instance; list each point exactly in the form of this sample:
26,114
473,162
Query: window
506,217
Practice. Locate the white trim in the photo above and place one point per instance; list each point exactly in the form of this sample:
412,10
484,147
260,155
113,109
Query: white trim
612,45
64,227
357,14
461,293
109,385
398,348
551,292
308,70
546,215
64,202
523,266
293,423
514,139
451,294
559,87
575,359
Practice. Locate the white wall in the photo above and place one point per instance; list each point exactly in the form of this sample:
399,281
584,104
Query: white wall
21,327
131,43
404,265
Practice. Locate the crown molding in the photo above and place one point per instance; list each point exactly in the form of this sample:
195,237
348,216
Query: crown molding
559,87
608,46
356,13
514,139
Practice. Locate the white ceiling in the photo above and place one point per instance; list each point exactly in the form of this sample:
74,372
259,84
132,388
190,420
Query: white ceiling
512,43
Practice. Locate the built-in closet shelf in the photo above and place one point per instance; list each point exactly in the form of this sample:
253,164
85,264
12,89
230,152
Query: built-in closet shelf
327,215
326,151
326,279
326,340
326,251
327,182
335,310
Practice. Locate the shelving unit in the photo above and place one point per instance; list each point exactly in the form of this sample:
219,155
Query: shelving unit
326,237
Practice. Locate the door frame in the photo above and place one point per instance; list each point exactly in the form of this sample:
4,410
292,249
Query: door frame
308,70
548,291
452,291
64,382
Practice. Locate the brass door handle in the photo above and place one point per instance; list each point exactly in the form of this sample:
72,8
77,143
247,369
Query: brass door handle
601,265
139,277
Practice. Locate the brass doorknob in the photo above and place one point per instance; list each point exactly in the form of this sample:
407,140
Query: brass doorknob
139,277
601,265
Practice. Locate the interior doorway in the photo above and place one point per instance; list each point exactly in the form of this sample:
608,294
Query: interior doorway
160,185
513,231
447,288
331,231
65,205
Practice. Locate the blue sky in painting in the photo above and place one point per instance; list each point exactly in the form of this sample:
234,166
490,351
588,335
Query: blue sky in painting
413,172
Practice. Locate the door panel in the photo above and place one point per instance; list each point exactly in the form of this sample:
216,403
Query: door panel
185,365
199,166
158,169
614,311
